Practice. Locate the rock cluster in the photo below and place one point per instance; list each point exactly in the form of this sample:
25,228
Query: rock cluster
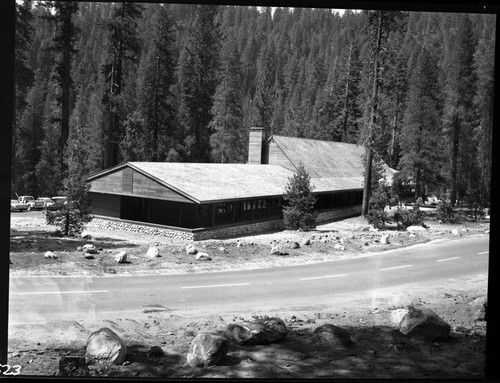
259,331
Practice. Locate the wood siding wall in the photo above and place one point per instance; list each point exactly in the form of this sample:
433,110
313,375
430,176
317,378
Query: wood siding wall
146,187
131,183
106,204
276,157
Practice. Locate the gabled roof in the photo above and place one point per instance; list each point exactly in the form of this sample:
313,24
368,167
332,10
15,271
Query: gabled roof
205,182
326,159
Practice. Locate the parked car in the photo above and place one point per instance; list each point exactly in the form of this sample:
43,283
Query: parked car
60,199
47,202
30,200
15,205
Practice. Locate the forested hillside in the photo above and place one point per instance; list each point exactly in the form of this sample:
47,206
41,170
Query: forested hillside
102,83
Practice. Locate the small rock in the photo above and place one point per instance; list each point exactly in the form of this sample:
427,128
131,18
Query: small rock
455,232
278,250
261,331
415,228
86,235
50,255
89,248
294,245
339,247
222,249
202,257
412,235
88,256
305,241
191,249
121,257
153,253
384,240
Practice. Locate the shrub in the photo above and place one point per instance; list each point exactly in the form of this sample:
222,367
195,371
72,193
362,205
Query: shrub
376,215
408,217
299,213
446,213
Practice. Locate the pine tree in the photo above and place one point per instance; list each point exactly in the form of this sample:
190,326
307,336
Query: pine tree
64,45
484,69
421,133
229,139
156,133
199,66
458,108
298,212
122,47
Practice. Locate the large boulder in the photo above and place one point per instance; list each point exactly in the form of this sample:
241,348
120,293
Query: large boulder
398,315
207,349
424,324
331,334
260,331
191,249
384,240
478,308
105,346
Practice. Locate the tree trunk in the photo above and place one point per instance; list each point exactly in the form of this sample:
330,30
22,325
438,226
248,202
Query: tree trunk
368,181
454,160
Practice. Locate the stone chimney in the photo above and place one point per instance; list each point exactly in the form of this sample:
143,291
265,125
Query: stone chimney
255,142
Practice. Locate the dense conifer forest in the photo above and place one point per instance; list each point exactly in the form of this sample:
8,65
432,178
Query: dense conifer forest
98,84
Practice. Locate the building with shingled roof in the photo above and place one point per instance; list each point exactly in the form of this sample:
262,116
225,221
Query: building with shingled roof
211,200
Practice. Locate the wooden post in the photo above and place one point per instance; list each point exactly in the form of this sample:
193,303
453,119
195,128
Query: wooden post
368,181
212,218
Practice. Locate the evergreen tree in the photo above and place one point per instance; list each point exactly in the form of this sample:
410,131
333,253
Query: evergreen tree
64,45
299,213
484,69
421,133
122,47
199,69
158,129
229,139
458,108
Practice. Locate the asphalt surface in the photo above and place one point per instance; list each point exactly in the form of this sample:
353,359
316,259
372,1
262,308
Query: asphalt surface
52,299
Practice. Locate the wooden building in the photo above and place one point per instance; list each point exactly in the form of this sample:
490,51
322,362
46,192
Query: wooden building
194,197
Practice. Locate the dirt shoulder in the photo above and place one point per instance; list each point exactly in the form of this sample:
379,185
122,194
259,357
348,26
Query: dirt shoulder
31,239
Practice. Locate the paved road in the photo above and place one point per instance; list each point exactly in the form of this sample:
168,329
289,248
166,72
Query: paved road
48,299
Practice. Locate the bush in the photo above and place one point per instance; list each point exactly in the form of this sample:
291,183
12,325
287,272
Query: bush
408,217
69,220
446,213
376,215
299,213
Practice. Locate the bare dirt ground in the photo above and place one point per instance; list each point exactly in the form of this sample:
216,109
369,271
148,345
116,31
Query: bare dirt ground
379,350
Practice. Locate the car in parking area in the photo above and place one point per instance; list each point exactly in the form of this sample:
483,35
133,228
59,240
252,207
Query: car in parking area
15,205
31,202
46,201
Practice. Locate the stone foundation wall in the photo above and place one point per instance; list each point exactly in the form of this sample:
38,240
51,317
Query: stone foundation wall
232,231
220,232
106,224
